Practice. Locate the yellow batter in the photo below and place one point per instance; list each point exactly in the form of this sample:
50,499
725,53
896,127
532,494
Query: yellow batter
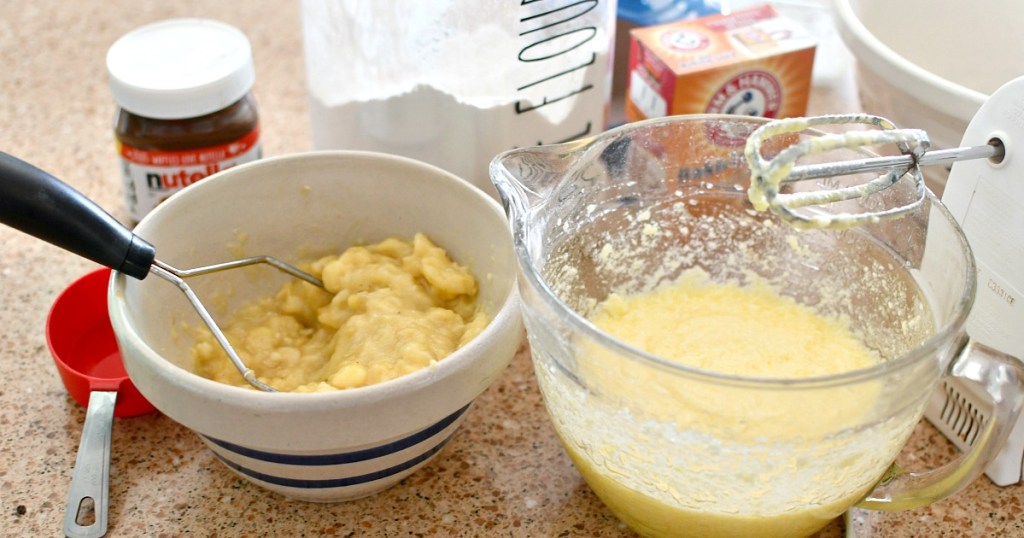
692,485
750,331
653,517
390,309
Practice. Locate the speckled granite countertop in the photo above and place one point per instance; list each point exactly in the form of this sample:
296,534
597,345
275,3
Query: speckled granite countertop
504,474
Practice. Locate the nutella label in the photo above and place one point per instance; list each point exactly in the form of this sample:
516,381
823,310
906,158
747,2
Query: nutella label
150,177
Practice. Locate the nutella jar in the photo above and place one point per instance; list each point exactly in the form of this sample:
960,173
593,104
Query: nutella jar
185,106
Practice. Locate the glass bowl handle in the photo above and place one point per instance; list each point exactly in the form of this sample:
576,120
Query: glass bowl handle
1002,377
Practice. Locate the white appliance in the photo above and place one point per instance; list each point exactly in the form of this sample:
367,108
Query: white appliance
987,200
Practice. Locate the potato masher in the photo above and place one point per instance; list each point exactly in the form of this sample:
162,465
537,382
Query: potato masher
769,175
39,204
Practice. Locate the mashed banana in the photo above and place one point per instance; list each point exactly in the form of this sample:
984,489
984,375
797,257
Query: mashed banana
390,309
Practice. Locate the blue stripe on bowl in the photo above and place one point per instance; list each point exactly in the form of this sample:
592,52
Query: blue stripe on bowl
344,457
335,482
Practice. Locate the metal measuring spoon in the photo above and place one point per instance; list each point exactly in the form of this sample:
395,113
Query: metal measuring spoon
85,351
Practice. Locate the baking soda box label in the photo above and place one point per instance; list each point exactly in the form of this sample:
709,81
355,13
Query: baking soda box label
751,62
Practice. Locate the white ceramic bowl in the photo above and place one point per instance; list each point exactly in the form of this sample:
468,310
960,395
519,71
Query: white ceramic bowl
326,446
930,65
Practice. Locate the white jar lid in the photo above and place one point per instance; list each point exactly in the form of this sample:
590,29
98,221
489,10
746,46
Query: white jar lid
180,68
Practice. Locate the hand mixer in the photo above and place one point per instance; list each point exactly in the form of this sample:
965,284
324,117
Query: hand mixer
41,205
984,192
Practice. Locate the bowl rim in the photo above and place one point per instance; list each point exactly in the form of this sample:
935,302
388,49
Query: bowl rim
464,357
937,92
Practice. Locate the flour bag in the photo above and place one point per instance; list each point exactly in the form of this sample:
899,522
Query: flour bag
455,82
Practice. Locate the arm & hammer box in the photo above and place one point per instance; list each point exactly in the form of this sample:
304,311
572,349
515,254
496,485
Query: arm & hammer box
749,62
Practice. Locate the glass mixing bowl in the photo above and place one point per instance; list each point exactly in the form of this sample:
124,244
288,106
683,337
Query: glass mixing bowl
679,451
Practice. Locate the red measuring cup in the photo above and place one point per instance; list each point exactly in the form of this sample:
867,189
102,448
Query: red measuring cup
83,346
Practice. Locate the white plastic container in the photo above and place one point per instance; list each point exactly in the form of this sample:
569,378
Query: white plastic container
455,82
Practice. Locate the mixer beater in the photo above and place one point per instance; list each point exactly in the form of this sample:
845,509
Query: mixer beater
770,175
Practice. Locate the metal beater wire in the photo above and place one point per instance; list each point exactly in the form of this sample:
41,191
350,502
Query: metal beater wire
993,150
769,175
178,276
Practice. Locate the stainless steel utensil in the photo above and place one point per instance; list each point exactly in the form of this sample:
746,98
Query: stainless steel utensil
770,175
39,204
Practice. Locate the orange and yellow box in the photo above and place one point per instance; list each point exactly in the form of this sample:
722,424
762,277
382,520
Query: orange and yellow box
750,62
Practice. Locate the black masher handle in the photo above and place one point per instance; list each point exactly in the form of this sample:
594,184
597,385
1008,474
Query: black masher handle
39,204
